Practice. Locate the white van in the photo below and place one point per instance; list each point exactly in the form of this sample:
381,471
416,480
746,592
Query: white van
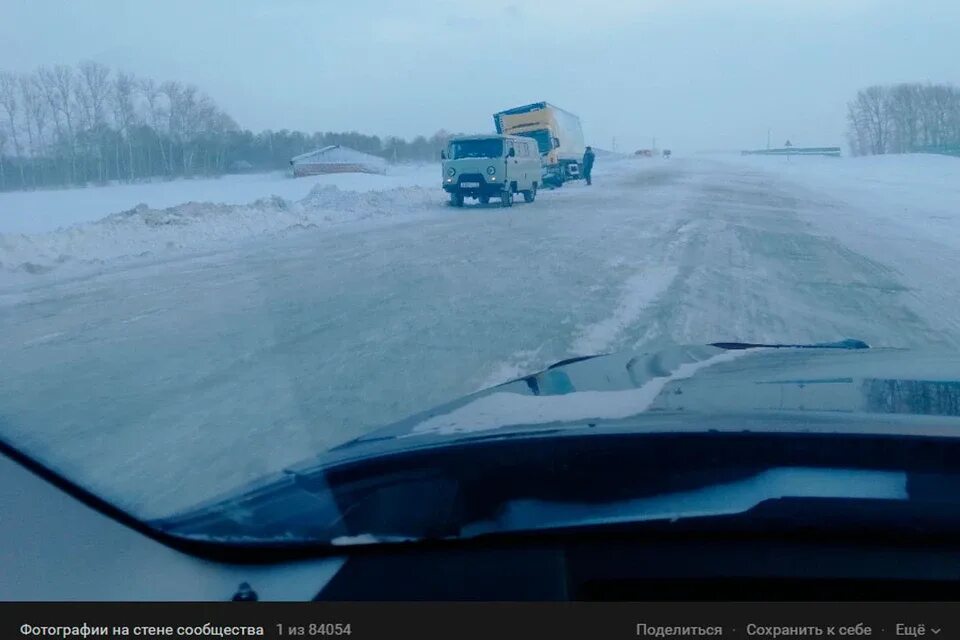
491,166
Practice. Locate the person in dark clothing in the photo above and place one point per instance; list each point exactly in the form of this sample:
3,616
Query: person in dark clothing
588,158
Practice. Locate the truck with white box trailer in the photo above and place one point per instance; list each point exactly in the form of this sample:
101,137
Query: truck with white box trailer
558,134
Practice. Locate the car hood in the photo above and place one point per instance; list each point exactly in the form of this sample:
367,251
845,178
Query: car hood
844,385
687,431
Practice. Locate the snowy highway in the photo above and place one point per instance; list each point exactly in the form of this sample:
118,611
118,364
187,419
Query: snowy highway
179,374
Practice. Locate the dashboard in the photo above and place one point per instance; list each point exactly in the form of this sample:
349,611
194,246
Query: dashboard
59,548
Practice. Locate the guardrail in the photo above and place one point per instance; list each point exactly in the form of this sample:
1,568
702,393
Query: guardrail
944,150
796,151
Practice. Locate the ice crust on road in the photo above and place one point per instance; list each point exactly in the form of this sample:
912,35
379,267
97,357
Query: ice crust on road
271,330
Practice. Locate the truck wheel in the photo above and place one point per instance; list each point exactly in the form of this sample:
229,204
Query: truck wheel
506,198
531,195
485,199
456,199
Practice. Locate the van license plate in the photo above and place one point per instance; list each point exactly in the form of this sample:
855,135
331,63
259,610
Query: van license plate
469,185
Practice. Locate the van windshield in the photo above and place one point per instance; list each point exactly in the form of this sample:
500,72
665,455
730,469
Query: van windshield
482,148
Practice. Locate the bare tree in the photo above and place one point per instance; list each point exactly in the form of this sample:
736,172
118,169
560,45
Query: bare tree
858,132
869,119
157,109
952,115
905,101
905,118
873,101
940,105
178,96
93,91
3,146
46,85
125,113
190,116
58,91
35,119
10,102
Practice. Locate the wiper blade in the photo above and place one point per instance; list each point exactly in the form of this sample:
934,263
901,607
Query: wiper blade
849,343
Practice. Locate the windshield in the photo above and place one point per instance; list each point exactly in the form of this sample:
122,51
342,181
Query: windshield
485,148
229,242
542,136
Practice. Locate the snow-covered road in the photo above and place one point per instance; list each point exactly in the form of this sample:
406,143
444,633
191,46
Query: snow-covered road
165,380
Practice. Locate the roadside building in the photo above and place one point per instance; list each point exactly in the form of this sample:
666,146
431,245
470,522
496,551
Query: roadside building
336,159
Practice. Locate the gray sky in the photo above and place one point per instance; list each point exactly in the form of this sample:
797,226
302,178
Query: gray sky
697,74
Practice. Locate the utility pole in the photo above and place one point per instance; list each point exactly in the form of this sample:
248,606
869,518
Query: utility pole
768,139
613,144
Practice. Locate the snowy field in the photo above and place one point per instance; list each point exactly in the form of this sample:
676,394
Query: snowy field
169,352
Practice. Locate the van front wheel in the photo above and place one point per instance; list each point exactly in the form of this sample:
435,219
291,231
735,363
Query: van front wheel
456,199
506,198
531,195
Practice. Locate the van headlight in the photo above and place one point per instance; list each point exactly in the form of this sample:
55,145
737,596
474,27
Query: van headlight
491,170
451,172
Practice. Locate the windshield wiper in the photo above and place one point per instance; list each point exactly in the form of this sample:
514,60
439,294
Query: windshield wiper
849,343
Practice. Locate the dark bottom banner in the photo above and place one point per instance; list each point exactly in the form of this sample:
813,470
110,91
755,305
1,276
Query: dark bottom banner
487,621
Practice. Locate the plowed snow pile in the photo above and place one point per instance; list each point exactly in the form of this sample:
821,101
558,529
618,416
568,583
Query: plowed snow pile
143,232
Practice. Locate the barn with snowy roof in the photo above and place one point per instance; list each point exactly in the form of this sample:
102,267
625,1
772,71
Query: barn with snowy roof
336,159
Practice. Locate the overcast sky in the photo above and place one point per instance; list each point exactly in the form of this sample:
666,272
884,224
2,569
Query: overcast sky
696,74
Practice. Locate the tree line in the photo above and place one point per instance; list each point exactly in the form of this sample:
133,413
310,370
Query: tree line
904,118
65,125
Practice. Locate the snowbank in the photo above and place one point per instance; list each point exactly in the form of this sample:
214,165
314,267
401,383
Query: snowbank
168,220
40,211
144,232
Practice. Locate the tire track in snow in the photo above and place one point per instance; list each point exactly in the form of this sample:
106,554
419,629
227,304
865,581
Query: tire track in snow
639,292
758,270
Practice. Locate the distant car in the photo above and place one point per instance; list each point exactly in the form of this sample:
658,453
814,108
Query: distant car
666,153
645,153
491,166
